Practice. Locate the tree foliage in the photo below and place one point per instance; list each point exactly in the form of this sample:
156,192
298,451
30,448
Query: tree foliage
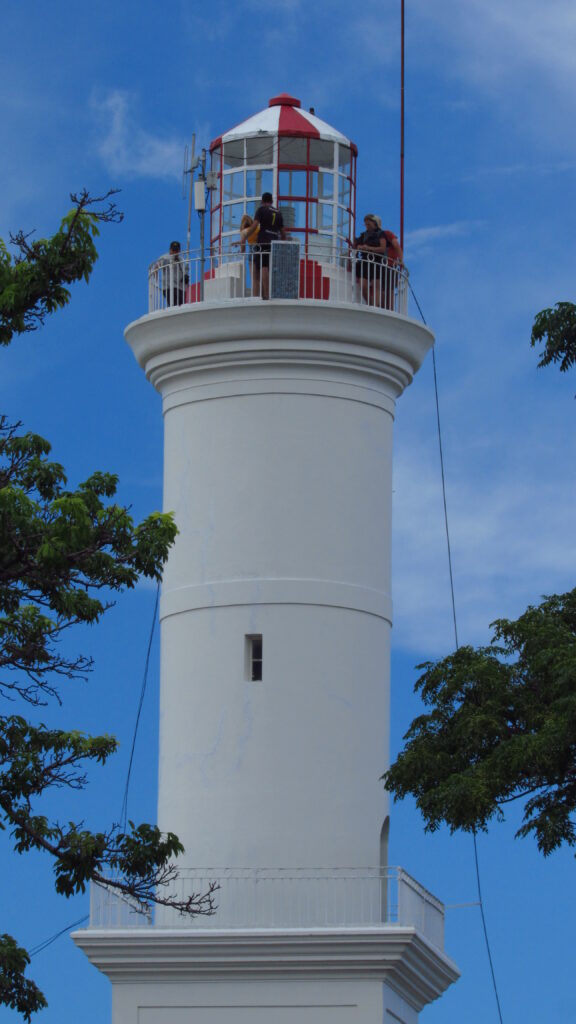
34,282
557,329
502,720
64,553
502,727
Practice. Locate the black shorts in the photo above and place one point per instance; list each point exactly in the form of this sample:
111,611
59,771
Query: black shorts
174,297
261,255
368,269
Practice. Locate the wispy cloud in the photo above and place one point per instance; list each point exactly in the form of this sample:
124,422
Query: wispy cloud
280,6
128,150
523,169
518,54
509,536
421,240
520,51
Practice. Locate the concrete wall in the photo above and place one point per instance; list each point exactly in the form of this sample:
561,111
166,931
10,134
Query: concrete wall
278,464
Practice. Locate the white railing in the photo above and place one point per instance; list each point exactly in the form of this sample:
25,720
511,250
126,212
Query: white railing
285,898
233,276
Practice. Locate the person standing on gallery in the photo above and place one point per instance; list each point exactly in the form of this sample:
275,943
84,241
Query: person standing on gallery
379,251
271,230
174,276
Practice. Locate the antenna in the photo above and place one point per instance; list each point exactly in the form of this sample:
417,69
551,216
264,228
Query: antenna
189,168
184,173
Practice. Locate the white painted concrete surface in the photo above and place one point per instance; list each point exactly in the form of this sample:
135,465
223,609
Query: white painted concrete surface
278,463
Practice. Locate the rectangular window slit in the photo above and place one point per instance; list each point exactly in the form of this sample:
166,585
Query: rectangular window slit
254,657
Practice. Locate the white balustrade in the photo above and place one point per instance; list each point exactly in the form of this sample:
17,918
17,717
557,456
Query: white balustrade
233,276
284,899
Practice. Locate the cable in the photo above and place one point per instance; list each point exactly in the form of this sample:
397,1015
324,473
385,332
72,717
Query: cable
124,811
444,500
442,474
477,866
481,904
48,942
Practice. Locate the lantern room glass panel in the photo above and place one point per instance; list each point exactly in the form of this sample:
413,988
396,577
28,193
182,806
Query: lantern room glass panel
260,151
292,150
294,214
258,182
292,183
324,216
344,159
321,153
321,185
233,185
233,154
325,185
343,190
343,221
231,216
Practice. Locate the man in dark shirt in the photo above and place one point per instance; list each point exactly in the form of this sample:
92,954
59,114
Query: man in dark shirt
271,230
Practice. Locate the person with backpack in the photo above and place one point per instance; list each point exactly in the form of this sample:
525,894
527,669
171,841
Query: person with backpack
379,252
271,230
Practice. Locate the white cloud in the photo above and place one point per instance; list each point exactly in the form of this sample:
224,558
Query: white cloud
510,535
421,240
524,33
520,170
279,6
128,150
522,49
518,54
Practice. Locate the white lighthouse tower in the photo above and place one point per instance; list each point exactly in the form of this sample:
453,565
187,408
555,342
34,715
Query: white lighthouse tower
276,616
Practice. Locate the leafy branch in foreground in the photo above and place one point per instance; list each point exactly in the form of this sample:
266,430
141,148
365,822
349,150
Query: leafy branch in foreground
557,329
34,282
62,552
135,863
16,991
63,555
502,727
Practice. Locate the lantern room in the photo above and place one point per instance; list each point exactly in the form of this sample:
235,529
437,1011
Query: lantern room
308,166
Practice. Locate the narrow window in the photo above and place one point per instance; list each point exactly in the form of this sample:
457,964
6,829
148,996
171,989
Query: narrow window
254,657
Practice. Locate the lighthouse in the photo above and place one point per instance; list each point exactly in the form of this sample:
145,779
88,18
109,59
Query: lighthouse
276,614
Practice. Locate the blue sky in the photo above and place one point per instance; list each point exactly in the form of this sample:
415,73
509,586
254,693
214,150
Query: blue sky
107,95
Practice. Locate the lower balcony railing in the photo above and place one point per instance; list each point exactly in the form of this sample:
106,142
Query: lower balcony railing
264,898
283,273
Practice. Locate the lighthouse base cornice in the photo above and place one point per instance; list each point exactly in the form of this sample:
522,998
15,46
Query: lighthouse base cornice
179,964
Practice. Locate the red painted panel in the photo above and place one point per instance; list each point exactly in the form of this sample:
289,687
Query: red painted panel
291,122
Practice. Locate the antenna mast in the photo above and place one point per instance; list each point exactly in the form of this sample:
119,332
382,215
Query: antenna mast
402,125
189,168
